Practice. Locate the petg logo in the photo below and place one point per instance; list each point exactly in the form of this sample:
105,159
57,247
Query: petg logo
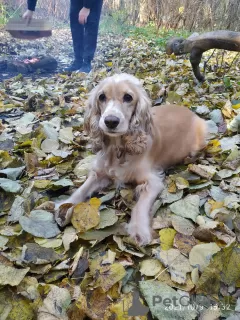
176,303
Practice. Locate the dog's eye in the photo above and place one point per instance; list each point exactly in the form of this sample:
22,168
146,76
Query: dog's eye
127,97
102,97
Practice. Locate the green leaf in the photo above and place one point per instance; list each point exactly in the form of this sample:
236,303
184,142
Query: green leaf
108,218
56,303
227,82
201,254
10,186
11,276
13,173
160,297
224,267
40,223
187,207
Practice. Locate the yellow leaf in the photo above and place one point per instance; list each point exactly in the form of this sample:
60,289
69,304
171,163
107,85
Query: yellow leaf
172,187
63,76
41,184
214,146
109,64
8,105
181,183
236,106
120,309
109,275
86,215
97,299
150,267
5,159
227,109
216,204
166,238
95,202
181,10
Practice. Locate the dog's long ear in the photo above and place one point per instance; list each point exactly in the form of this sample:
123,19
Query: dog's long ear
142,119
91,120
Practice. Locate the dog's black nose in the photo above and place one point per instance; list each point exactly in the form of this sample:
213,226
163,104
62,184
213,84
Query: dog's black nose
111,122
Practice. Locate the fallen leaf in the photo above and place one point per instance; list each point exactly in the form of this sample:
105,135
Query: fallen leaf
166,238
201,254
108,218
109,275
40,223
203,171
49,145
17,210
184,243
34,253
55,304
10,186
187,207
182,225
69,235
66,135
86,215
11,276
177,264
160,297
150,267
12,173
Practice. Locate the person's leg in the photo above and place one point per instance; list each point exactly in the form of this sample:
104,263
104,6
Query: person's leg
77,31
91,34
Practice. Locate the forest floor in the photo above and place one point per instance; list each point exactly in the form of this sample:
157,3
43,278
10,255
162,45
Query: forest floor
191,270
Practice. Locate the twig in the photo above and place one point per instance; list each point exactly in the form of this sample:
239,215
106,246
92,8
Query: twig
234,59
223,52
205,62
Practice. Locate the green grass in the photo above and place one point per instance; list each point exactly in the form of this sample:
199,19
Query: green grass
117,23
159,36
3,14
6,14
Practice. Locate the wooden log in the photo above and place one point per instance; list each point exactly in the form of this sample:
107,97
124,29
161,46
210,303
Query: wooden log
197,44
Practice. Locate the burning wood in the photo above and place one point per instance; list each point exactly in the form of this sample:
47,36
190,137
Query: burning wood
29,65
33,60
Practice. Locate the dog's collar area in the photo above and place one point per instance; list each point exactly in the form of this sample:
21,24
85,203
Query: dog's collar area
129,144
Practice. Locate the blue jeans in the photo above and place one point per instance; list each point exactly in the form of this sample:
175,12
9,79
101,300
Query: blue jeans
84,36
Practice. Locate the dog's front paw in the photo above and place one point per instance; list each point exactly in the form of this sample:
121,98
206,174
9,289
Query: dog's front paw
140,233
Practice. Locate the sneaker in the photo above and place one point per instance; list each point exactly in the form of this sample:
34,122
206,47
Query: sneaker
76,65
86,67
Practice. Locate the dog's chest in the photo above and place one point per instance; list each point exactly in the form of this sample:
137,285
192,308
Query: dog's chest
120,170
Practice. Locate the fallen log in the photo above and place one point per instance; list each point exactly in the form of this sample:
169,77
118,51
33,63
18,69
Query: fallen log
197,44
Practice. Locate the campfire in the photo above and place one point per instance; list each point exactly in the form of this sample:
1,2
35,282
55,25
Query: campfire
28,64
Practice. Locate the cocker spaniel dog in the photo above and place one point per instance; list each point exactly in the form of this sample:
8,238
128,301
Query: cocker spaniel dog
135,143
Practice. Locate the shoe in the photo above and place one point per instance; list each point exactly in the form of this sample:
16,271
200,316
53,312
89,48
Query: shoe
86,67
76,65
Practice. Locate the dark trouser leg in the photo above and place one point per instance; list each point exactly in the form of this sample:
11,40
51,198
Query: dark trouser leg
91,31
77,29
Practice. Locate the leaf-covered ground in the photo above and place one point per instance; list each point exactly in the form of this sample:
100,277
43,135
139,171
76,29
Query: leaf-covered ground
89,268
